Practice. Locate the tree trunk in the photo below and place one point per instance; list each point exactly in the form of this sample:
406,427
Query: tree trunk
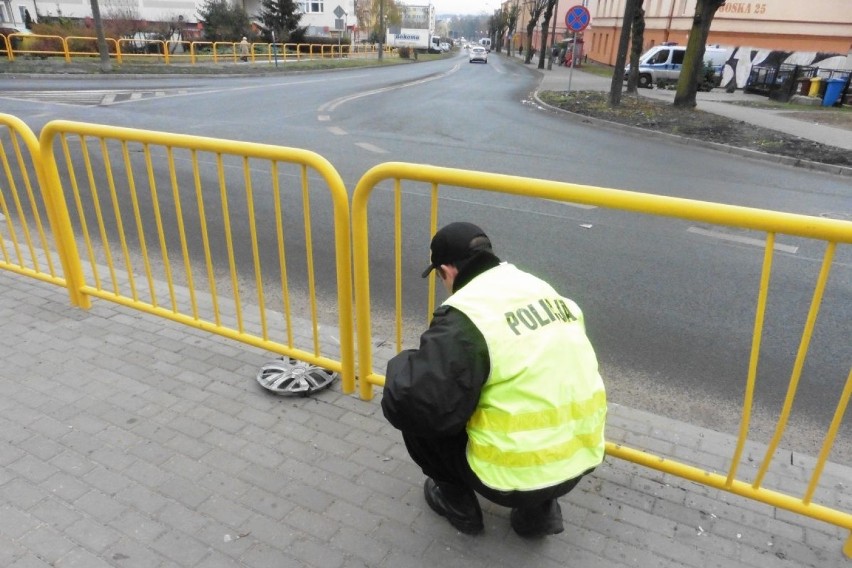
545,52
106,64
636,45
528,40
617,84
693,61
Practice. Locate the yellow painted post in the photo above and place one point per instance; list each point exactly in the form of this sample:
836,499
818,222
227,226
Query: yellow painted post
118,58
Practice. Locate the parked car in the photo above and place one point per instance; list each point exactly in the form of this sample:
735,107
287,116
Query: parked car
478,53
664,62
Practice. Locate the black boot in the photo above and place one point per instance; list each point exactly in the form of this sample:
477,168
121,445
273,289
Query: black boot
539,520
459,505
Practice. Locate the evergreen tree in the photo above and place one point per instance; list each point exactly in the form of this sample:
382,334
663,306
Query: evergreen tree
223,22
281,17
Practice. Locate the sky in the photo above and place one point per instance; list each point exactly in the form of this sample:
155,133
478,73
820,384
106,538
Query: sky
463,6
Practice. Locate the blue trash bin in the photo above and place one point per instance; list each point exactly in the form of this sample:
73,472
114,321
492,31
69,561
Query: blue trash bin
833,90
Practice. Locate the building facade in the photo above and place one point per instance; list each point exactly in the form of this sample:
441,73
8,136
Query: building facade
784,25
817,26
319,16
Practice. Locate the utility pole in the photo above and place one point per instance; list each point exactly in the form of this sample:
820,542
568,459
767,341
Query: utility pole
381,28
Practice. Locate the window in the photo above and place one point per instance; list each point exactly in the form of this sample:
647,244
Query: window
312,6
677,56
661,56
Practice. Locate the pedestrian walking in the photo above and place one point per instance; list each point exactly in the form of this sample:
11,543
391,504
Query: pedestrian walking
244,49
503,397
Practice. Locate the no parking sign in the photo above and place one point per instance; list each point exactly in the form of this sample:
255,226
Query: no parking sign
577,18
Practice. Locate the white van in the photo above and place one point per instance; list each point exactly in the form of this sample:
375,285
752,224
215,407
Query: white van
486,43
663,62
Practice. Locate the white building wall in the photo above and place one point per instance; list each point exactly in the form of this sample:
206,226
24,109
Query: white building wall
317,14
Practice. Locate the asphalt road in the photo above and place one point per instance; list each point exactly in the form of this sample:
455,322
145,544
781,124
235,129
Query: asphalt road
669,305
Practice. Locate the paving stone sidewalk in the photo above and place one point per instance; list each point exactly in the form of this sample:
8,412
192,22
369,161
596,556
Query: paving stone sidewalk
130,441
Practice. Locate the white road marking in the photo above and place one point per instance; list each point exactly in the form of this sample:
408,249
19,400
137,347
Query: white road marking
740,239
337,130
323,118
332,105
371,147
577,205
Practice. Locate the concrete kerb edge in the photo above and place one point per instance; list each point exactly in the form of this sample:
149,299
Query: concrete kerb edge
681,140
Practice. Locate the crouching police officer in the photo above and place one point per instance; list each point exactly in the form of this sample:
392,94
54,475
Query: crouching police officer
503,397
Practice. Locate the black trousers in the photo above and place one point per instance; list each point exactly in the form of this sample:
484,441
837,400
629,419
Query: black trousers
445,461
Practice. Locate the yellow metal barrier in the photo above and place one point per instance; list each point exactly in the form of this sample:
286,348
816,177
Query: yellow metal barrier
27,213
216,199
834,232
200,200
165,50
39,45
88,46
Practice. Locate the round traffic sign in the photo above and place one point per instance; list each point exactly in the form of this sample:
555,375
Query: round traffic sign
577,18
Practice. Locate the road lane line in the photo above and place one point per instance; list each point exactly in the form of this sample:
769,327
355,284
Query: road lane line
332,105
571,204
336,130
323,118
740,239
371,147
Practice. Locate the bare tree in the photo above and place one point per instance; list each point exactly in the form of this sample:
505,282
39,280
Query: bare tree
121,18
511,24
367,15
621,57
637,42
693,60
535,7
498,25
545,25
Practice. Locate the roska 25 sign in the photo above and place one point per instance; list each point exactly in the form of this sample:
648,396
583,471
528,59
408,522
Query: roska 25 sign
743,8
577,18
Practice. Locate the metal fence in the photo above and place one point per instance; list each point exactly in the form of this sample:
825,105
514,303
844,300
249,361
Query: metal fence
174,51
151,211
137,214
27,242
402,176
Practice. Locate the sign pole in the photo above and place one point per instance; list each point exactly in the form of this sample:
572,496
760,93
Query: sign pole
553,38
577,19
274,49
573,55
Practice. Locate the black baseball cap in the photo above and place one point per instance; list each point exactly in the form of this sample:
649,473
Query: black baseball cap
452,244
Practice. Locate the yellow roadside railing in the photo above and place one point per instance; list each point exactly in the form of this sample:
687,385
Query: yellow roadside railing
153,211
832,232
27,242
169,52
136,217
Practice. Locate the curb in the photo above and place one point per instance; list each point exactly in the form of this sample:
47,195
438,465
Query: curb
682,140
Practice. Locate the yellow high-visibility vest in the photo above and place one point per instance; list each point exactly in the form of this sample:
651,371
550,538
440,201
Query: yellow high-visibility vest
541,414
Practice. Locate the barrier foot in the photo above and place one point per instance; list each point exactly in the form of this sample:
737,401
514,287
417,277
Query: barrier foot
847,548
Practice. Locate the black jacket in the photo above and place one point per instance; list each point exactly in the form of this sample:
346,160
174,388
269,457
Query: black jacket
432,391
